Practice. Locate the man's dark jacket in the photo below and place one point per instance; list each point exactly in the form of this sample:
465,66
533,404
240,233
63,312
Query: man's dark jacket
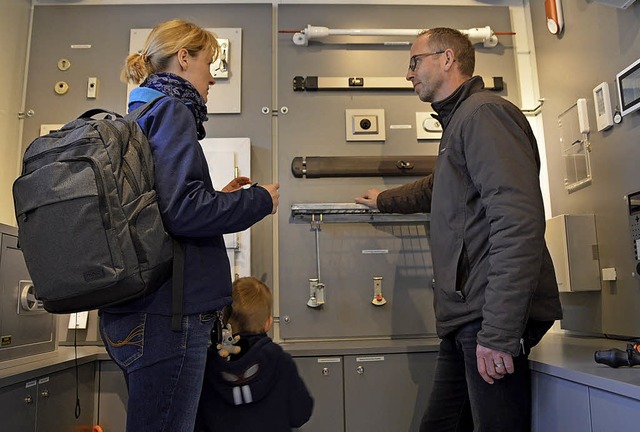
487,227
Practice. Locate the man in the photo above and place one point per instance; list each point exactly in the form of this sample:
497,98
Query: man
495,289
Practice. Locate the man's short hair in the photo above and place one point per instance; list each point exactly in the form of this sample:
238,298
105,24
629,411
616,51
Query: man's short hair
442,38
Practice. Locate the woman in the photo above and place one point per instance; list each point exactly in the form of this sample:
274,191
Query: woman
163,368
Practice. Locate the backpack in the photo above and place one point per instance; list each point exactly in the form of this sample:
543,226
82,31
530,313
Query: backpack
88,218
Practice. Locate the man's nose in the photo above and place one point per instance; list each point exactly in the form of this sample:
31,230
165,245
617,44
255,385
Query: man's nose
410,75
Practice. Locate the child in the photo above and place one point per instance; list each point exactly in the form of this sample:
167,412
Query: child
257,389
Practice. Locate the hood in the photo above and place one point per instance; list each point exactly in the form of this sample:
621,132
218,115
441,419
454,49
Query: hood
246,379
142,95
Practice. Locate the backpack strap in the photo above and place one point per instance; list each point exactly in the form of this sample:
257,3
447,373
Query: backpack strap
177,284
96,111
177,288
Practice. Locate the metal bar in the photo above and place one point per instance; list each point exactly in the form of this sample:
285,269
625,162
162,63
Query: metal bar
316,83
362,166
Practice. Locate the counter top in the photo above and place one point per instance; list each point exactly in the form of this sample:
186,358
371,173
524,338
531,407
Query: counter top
562,356
572,358
27,368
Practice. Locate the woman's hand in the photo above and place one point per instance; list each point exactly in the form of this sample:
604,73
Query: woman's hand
236,184
275,195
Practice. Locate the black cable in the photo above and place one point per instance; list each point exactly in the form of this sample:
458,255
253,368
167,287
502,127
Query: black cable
75,351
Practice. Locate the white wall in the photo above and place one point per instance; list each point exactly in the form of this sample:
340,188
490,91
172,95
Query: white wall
14,34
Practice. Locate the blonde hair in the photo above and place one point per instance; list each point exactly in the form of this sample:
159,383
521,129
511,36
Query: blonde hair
164,41
442,38
251,306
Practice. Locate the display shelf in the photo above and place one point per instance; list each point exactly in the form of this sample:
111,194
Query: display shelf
350,213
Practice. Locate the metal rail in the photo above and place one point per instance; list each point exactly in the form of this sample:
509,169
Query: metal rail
351,213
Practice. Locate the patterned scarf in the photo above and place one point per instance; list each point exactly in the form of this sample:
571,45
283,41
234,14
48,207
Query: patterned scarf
178,87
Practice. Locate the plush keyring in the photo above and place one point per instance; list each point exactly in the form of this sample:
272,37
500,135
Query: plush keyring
228,344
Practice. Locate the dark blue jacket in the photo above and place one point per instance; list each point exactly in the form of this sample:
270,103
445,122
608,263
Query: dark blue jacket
192,211
258,390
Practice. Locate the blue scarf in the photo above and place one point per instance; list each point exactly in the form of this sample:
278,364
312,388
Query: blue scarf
178,87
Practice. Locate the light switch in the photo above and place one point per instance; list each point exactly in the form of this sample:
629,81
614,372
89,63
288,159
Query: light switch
78,320
609,274
92,88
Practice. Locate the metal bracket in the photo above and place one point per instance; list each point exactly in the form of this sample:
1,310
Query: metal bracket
22,115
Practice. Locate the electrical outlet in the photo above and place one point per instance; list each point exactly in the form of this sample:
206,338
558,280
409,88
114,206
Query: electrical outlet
365,125
92,88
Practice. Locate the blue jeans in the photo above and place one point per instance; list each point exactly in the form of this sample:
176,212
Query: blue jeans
461,401
164,370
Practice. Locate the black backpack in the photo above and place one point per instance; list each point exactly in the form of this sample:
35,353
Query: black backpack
88,219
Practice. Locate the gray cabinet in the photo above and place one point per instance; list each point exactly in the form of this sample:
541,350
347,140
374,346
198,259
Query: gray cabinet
325,380
18,404
385,392
561,405
612,412
48,403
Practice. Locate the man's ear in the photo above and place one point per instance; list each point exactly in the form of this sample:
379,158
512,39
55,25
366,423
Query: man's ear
449,57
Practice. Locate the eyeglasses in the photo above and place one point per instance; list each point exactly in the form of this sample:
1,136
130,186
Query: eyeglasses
413,61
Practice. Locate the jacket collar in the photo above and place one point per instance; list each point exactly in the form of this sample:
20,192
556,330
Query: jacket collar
447,106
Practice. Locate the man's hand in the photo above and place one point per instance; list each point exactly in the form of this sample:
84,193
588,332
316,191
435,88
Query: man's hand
493,364
369,198
275,195
236,184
